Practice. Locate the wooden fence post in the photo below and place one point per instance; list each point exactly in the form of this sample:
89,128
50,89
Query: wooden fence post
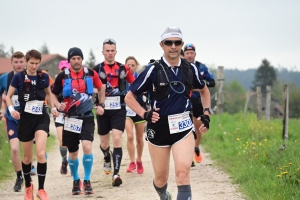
268,103
258,102
286,114
247,102
220,98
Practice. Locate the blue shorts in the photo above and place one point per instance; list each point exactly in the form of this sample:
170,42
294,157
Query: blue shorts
11,128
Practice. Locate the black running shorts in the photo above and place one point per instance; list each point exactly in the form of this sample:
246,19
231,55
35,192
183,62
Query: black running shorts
58,124
111,119
158,133
30,123
136,119
72,140
197,107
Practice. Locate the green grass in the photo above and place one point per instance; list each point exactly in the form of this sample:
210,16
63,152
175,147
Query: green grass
248,150
6,167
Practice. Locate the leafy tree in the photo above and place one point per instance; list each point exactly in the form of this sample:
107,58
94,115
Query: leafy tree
234,97
92,60
5,54
264,75
44,49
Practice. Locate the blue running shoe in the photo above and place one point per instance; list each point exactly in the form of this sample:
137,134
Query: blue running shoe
33,171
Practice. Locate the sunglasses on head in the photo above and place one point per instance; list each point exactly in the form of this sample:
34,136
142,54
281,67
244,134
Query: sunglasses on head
171,42
109,41
189,46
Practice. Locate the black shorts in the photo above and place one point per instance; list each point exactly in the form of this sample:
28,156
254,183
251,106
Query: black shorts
72,140
58,124
30,123
159,134
111,119
197,107
136,119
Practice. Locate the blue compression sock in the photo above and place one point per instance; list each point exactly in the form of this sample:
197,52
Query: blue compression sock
74,168
87,161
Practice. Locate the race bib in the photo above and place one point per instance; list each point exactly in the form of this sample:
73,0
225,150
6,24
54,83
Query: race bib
179,122
129,112
15,101
73,125
34,107
60,119
112,103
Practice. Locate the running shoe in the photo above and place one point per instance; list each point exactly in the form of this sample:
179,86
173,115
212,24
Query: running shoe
116,180
198,156
140,168
193,164
18,185
33,171
77,185
107,165
29,192
87,188
64,168
131,167
42,195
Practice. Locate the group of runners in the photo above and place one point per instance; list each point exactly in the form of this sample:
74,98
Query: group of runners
169,97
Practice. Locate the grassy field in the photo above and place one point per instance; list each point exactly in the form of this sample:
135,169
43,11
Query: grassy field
6,167
251,152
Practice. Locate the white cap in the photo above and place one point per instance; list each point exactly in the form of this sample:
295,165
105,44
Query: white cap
171,32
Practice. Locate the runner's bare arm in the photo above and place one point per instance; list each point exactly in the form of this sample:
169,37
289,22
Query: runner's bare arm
15,114
52,100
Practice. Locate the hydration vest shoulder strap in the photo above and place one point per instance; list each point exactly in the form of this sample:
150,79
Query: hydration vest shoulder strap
9,78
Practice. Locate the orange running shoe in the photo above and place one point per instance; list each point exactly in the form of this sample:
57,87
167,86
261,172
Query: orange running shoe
198,156
42,195
140,168
29,192
131,167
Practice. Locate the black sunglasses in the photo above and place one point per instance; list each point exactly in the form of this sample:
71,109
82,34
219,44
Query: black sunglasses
171,42
109,41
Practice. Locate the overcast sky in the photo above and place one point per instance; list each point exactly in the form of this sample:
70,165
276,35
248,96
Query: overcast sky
230,33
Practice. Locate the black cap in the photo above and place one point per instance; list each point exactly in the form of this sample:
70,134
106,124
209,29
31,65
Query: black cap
75,51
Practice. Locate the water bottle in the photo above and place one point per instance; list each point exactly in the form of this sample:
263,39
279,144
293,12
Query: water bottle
89,85
67,89
27,84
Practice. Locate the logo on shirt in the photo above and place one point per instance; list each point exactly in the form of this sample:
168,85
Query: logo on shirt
26,97
117,71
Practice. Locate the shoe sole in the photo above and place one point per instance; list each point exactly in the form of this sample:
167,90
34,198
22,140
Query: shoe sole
88,192
131,171
140,172
107,172
117,182
76,193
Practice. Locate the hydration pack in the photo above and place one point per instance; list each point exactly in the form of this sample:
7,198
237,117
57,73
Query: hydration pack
121,76
163,79
67,88
34,91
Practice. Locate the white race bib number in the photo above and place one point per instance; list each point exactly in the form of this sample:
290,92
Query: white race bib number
15,101
73,125
179,122
112,103
129,112
34,107
60,119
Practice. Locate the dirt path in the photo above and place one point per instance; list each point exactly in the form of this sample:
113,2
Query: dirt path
207,182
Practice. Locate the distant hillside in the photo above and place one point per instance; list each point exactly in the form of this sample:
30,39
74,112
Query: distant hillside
245,78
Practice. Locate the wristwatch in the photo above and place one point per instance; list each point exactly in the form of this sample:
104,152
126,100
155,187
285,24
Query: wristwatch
208,110
102,105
